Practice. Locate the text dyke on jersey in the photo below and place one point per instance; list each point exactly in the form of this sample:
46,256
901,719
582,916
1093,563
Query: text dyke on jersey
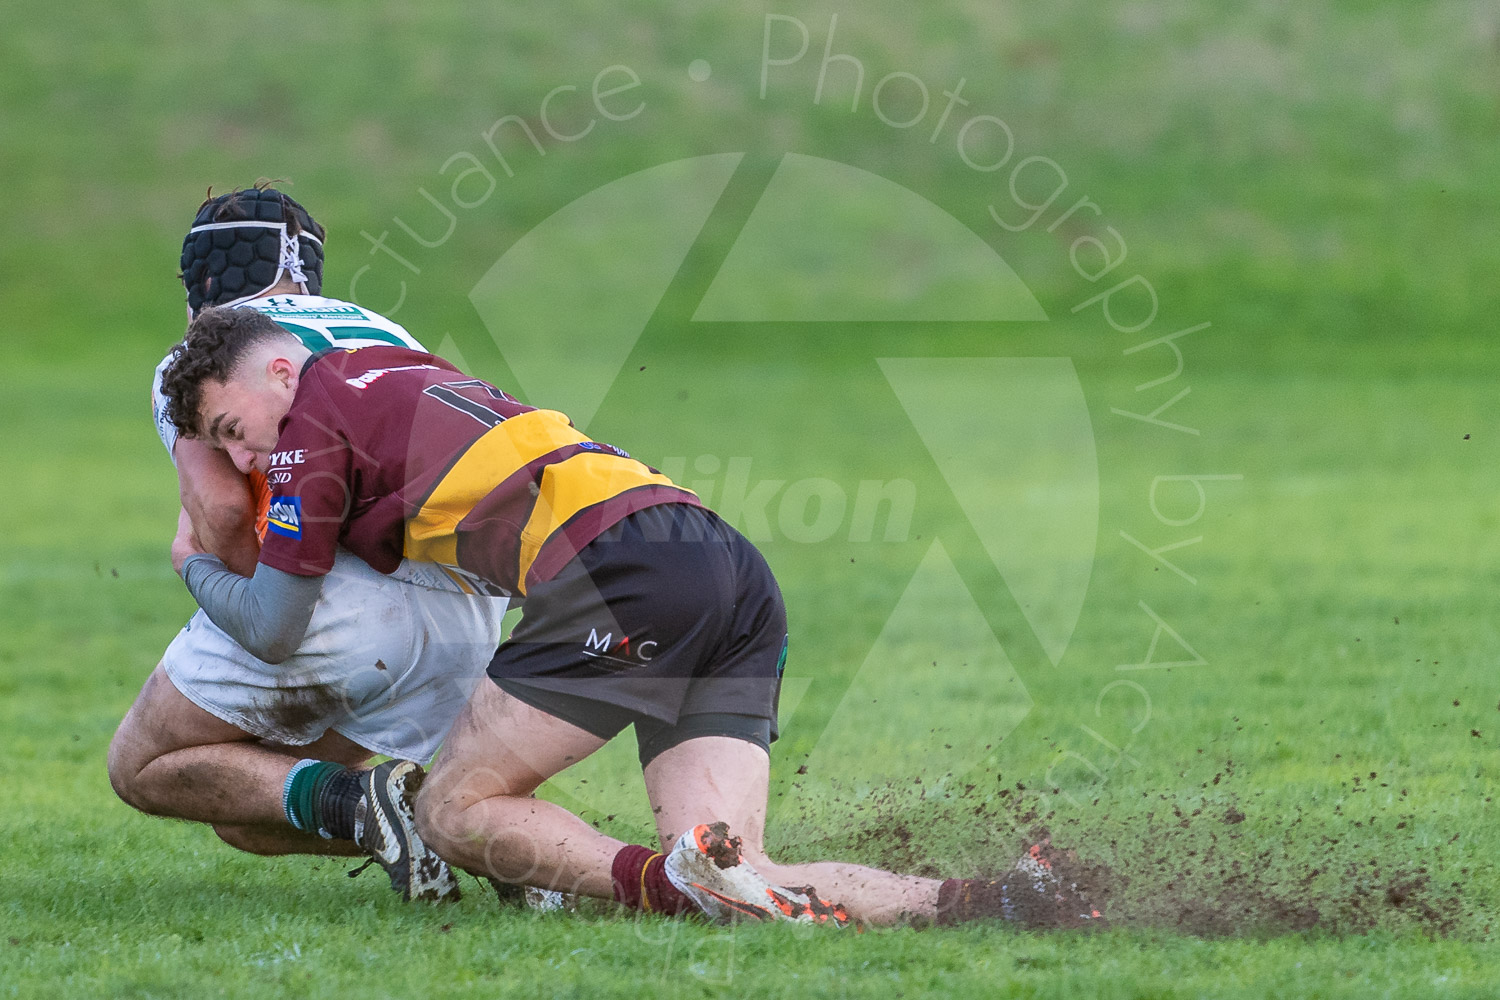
971,415
283,459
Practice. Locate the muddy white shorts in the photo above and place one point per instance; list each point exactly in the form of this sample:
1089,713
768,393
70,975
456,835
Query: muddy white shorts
386,663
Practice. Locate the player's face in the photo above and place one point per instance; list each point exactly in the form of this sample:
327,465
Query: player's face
242,416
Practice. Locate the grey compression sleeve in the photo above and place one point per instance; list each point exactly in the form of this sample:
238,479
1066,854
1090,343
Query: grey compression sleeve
267,614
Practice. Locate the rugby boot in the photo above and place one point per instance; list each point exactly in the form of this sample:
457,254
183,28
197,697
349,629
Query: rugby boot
531,897
1032,894
1059,899
706,866
390,835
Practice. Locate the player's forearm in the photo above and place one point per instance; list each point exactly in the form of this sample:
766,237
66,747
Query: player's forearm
267,614
228,531
219,502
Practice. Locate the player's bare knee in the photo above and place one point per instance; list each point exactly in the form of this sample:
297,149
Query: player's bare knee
124,768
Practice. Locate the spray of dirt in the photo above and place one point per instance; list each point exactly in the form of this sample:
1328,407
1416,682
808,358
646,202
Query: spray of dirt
1204,863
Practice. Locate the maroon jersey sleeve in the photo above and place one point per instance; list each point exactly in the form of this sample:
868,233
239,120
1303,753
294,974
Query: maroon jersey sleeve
311,472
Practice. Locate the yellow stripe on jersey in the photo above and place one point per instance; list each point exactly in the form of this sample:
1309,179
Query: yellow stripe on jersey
494,456
573,485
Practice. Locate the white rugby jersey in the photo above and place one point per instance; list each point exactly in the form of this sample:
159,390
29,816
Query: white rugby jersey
319,322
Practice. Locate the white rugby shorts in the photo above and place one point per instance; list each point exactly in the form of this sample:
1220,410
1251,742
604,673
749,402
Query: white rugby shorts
387,664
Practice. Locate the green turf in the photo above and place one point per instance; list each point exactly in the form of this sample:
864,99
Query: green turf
1316,182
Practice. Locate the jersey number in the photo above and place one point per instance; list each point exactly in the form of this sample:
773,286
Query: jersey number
447,394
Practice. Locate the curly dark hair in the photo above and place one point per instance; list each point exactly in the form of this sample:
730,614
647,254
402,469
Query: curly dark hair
212,348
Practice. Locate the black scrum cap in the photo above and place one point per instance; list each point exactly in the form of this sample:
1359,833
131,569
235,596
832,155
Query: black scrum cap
244,242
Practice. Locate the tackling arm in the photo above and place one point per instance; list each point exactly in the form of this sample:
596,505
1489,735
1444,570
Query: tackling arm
217,499
266,614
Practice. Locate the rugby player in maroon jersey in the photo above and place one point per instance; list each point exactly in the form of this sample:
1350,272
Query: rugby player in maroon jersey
641,607
276,757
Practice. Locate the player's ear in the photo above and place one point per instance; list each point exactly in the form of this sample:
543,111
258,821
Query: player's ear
282,371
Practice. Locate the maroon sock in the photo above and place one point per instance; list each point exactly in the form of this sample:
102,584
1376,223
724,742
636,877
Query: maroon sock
641,882
950,897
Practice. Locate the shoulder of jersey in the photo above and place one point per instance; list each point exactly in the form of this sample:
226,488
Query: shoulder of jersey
304,313
293,304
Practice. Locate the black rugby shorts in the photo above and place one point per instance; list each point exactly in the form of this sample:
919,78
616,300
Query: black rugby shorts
670,620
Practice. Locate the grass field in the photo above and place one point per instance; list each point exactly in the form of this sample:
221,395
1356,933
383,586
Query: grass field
1303,808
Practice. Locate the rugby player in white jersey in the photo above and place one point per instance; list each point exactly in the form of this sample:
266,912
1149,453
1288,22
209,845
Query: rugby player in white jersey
274,757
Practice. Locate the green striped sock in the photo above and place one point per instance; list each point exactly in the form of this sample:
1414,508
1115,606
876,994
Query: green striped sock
302,791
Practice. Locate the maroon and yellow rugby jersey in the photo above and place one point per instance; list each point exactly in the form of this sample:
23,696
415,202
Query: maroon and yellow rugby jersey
394,453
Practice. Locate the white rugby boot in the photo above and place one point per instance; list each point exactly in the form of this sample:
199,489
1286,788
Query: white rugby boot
706,866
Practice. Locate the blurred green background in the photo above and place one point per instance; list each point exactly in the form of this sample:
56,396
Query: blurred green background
1317,182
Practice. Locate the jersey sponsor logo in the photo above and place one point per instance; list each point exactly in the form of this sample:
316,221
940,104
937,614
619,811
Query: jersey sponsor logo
624,653
282,459
374,374
346,313
606,448
279,477
285,516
